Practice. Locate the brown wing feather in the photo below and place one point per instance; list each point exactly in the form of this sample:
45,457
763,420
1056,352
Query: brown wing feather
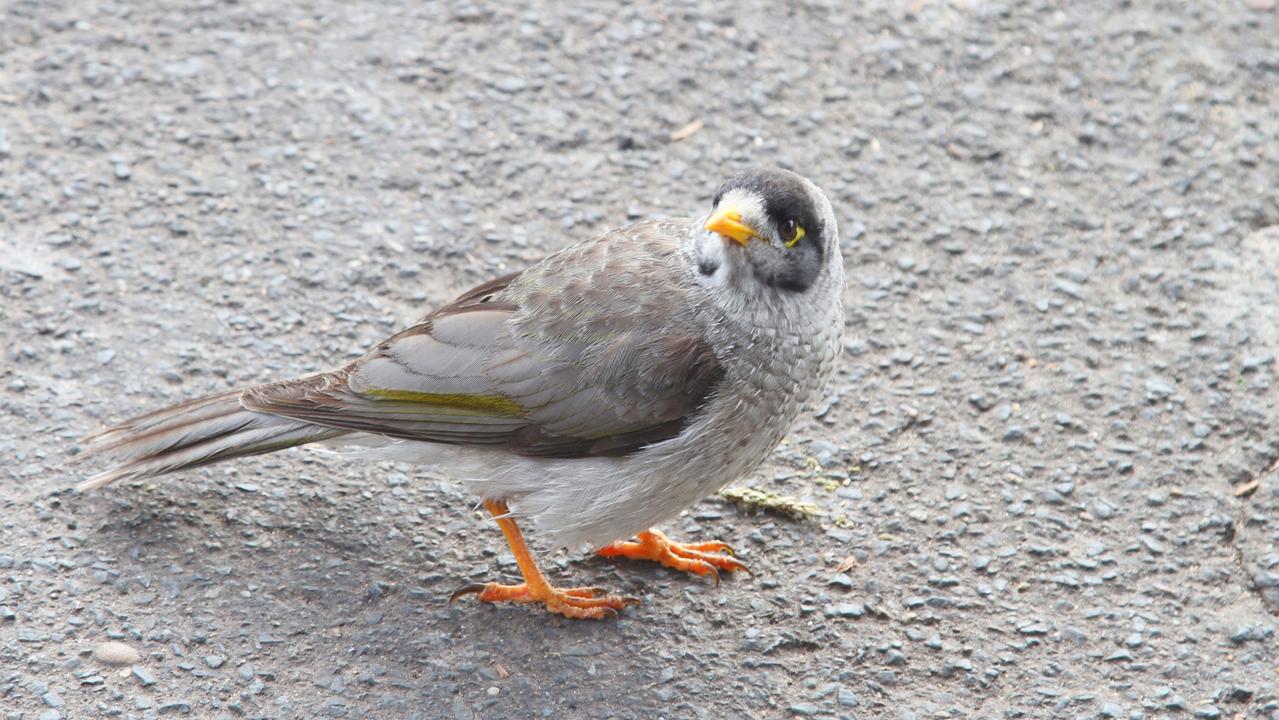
602,382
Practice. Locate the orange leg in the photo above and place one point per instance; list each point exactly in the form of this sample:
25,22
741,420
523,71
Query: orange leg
706,558
580,602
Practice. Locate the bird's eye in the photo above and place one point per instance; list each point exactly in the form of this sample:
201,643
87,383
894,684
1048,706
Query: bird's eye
792,233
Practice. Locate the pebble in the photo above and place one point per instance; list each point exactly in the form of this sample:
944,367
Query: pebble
587,649
189,67
1253,363
143,675
1159,388
1070,289
510,84
116,653
846,610
981,401
1240,694
842,581
214,661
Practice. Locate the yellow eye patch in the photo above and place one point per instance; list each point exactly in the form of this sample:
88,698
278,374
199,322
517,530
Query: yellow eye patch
799,235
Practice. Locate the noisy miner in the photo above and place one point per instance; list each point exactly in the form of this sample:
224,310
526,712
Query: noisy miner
594,395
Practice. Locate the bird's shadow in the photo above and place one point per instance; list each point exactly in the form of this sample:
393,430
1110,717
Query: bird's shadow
310,580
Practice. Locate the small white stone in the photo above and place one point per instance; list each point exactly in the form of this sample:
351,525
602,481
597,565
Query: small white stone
493,691
116,653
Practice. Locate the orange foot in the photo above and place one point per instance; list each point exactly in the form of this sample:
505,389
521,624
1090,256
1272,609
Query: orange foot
586,603
583,603
706,558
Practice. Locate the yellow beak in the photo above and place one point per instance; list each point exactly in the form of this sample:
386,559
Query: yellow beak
728,222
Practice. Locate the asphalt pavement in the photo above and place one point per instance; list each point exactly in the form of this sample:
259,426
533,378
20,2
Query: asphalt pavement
1043,478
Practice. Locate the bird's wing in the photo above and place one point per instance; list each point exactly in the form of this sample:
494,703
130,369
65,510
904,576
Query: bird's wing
587,353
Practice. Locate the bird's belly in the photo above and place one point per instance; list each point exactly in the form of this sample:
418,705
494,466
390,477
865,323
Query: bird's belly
594,501
656,484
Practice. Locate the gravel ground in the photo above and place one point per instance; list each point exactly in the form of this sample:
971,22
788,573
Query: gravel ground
1062,238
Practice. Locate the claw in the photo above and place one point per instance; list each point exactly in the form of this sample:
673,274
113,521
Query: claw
713,546
710,570
472,589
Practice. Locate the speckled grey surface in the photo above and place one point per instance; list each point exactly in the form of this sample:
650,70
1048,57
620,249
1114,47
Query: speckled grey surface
1062,238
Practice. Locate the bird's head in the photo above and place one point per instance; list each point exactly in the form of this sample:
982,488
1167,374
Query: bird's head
768,229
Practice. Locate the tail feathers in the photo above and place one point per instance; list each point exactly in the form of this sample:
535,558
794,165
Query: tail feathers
194,433
163,428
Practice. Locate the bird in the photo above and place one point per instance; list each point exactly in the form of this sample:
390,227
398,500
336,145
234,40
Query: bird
592,396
